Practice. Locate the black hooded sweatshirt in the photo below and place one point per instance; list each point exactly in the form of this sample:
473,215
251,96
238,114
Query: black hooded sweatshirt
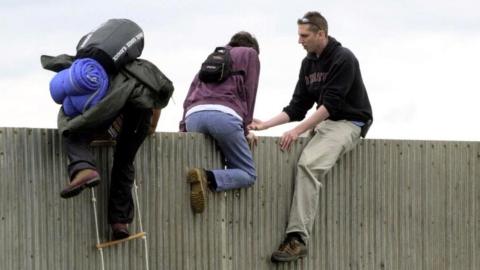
333,79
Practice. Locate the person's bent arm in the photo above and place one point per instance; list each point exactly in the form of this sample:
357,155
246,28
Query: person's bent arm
292,135
318,116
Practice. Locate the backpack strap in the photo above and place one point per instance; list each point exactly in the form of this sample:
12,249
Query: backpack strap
234,72
237,72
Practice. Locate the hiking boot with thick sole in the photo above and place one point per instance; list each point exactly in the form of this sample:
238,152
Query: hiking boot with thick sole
120,231
84,178
198,188
290,250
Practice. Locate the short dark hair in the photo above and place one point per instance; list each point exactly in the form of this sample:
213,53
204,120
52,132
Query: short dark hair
244,39
315,20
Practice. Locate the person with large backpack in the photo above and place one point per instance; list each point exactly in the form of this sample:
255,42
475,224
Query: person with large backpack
220,103
136,91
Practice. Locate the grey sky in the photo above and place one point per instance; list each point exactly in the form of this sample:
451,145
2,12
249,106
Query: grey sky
418,58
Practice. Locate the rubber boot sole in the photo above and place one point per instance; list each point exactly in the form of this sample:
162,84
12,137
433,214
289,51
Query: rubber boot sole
72,192
197,180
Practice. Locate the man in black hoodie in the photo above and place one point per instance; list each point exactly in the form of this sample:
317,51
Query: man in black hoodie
330,77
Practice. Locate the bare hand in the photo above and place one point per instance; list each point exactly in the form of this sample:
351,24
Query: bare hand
287,139
256,125
252,140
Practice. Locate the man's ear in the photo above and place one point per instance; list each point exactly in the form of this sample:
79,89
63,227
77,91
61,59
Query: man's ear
321,34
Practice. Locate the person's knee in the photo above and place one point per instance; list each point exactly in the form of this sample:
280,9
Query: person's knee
310,167
251,179
304,165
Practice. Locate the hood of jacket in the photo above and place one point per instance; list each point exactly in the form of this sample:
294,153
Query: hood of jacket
327,52
153,89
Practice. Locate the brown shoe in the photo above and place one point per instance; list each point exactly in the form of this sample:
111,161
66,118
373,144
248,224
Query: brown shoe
83,178
290,250
198,188
120,231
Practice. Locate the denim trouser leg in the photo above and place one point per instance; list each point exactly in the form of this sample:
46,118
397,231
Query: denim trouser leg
228,133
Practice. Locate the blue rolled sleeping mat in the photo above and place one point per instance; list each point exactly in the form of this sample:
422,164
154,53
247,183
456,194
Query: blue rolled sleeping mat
100,53
79,87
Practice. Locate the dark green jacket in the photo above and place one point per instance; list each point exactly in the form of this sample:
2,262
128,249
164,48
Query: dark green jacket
140,84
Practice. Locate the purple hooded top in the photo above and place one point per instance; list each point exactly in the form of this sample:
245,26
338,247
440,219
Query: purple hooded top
237,92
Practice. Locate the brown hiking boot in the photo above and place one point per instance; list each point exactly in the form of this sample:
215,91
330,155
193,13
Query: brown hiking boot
83,178
290,250
120,231
198,189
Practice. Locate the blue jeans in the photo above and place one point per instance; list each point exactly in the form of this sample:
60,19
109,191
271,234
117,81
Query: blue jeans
228,133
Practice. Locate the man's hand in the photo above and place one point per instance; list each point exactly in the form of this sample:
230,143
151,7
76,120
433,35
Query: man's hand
256,125
252,140
287,139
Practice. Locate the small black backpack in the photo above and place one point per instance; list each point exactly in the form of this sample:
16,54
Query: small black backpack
217,67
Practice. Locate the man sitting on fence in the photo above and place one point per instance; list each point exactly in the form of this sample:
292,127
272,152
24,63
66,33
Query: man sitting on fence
330,76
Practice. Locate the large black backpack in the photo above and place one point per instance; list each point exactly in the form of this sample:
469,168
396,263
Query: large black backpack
113,44
217,67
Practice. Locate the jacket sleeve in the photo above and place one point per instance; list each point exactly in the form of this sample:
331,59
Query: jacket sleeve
182,127
56,63
338,83
301,100
251,83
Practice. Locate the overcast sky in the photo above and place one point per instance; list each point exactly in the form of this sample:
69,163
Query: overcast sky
419,59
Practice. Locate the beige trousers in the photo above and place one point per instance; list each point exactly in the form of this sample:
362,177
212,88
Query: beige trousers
330,141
